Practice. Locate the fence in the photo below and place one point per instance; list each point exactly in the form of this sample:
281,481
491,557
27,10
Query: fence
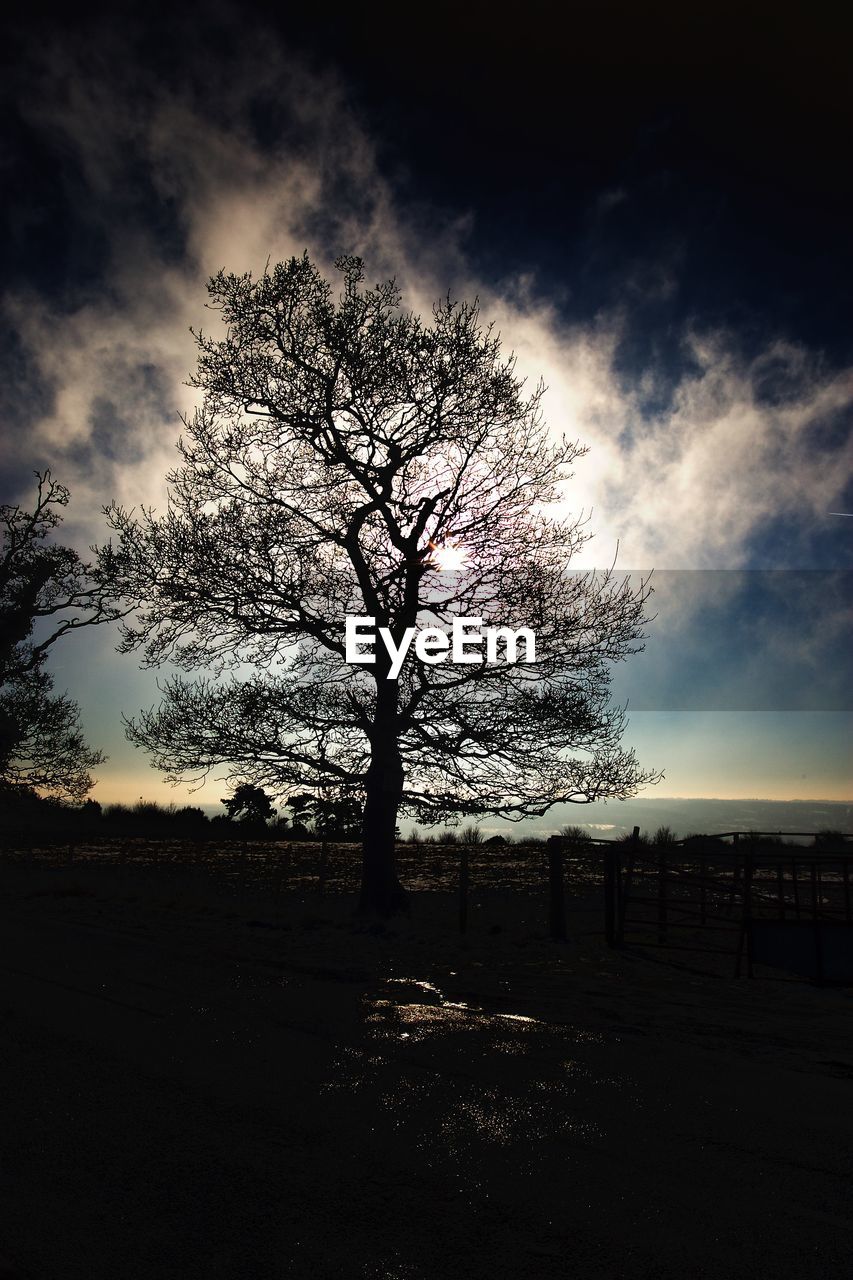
742,894
738,896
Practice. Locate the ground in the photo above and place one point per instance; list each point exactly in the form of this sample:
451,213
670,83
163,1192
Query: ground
201,1083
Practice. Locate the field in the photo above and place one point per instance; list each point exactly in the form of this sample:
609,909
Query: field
212,1068
270,866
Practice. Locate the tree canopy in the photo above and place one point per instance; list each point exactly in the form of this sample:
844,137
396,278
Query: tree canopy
46,591
250,803
350,458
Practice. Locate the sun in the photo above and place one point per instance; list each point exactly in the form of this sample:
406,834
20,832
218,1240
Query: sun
448,556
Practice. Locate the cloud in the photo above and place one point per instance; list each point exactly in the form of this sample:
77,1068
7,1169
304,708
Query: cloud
175,185
233,150
745,640
695,484
250,154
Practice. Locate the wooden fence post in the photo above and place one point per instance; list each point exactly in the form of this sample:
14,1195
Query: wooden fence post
747,909
623,884
611,905
322,868
662,911
464,880
556,891
735,869
795,886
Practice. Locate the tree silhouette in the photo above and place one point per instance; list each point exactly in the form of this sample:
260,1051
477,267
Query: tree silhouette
45,586
350,459
249,802
337,817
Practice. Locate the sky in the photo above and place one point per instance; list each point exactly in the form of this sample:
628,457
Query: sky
653,205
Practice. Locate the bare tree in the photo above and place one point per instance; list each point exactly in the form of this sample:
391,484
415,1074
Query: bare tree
46,591
350,459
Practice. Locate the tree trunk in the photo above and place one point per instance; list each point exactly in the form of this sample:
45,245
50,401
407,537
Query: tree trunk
381,891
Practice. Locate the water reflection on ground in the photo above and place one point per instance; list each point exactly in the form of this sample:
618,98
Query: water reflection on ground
290,1093
480,1095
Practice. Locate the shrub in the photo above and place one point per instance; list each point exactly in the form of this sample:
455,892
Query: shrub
578,835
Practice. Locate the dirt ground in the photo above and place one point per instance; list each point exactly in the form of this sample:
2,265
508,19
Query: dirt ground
206,1084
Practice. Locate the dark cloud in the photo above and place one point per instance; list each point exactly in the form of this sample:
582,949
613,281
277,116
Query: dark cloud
746,641
657,220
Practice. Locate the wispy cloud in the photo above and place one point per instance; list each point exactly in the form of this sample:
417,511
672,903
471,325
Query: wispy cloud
179,179
235,151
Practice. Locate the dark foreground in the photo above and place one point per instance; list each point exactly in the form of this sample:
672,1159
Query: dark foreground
194,1086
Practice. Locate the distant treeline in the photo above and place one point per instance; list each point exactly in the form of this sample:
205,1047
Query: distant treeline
23,813
50,818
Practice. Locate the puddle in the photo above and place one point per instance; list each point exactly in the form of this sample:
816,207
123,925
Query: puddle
391,1017
479,1094
419,983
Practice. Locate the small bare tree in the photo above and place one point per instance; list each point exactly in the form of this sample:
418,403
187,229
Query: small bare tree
350,459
